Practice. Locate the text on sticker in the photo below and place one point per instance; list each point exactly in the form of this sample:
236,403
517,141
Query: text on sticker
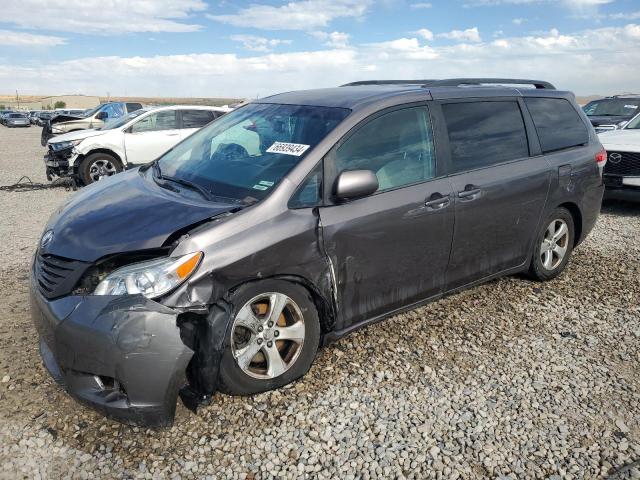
295,149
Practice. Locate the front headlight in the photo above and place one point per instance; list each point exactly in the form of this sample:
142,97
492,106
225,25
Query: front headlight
56,146
152,278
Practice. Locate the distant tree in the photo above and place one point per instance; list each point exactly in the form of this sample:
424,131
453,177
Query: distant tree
59,104
2,107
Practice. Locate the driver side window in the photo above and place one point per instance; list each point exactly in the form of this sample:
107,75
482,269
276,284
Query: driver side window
165,120
397,146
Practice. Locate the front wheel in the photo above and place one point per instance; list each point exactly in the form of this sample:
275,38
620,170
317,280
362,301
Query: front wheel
553,246
272,339
98,166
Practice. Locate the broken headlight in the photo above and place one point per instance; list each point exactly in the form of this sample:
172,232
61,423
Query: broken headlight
151,278
57,146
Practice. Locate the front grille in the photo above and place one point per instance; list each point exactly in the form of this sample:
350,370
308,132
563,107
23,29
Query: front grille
56,276
627,164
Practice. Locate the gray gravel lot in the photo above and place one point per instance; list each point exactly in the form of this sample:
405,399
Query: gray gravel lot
513,379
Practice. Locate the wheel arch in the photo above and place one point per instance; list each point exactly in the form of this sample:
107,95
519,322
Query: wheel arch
576,214
107,151
322,300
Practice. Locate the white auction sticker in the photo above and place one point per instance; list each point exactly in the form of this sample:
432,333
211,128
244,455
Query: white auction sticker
631,106
295,149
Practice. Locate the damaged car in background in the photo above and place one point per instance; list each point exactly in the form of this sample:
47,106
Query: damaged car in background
60,123
292,221
130,141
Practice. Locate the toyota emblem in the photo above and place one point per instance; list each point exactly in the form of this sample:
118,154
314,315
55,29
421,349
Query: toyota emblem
46,238
615,157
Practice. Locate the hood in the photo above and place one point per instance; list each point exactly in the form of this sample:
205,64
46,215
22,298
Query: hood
77,135
607,120
123,213
613,138
64,118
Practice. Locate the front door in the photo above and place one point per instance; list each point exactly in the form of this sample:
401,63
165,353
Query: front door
389,249
151,136
500,191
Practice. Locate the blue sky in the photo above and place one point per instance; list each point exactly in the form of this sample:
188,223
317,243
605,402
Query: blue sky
219,48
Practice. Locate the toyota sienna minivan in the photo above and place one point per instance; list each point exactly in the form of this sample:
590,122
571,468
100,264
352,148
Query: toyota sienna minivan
227,262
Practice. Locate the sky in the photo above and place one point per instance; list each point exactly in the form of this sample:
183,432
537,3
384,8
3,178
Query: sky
198,48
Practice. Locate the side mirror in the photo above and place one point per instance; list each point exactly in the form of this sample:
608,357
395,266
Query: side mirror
102,115
352,184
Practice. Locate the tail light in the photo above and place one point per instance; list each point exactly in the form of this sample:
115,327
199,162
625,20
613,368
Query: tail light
601,157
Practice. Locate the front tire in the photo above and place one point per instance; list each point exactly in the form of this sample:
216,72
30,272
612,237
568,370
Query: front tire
97,166
272,339
553,246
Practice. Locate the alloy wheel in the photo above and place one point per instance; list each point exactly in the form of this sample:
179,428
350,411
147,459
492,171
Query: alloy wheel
101,168
554,244
267,335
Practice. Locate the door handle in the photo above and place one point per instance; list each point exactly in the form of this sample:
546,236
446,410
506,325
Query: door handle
470,192
437,201
172,134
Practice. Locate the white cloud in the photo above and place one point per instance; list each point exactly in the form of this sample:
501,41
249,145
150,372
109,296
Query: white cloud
468,35
258,44
425,33
625,16
420,5
303,15
22,39
402,48
568,60
102,17
518,21
333,39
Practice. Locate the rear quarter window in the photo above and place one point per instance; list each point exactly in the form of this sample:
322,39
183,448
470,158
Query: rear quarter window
557,123
482,134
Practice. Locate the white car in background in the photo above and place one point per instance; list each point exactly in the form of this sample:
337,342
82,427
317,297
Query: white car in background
126,142
622,170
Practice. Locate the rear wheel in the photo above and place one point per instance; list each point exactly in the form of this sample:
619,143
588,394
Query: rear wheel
272,339
97,166
553,246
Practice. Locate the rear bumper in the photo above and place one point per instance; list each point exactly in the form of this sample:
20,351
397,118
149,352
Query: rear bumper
591,204
122,356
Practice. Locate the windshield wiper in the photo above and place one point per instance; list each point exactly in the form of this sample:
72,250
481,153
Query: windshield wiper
186,183
156,168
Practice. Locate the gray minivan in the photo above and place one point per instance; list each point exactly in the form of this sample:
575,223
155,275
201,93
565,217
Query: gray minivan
227,262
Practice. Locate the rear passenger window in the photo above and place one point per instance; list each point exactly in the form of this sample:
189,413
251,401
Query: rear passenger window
132,107
557,123
484,133
397,147
196,118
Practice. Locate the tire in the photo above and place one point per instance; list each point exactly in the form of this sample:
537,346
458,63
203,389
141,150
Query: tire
296,357
105,164
548,261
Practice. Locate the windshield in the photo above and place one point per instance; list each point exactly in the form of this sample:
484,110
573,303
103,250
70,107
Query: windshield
246,153
89,113
119,122
17,115
634,123
611,107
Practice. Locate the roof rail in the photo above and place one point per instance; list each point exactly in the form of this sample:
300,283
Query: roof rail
387,82
457,82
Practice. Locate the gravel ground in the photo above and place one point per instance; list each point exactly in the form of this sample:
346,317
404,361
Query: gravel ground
513,379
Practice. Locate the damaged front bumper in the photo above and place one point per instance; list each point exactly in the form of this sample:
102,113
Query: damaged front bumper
121,355
60,163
